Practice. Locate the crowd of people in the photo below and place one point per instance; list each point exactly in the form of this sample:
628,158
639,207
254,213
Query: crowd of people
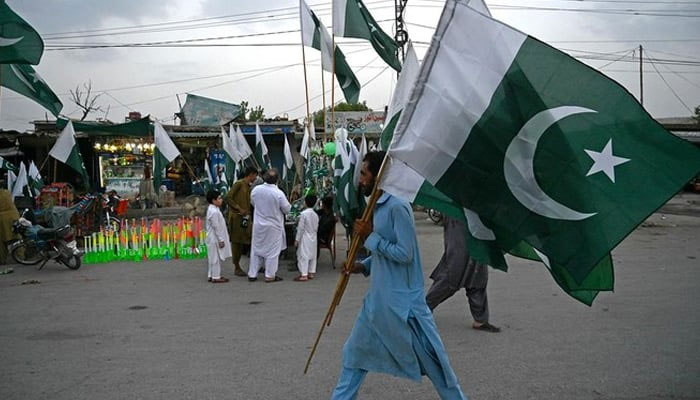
394,332
256,222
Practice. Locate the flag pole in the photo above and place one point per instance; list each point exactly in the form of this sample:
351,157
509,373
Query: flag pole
193,175
347,267
333,89
323,96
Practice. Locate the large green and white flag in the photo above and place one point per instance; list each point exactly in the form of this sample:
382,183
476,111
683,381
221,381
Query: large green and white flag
314,34
21,186
24,80
163,154
231,155
19,42
66,150
546,149
242,147
351,18
288,160
260,148
405,83
35,181
6,165
400,180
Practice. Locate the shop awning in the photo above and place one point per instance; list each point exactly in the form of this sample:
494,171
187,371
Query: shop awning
138,128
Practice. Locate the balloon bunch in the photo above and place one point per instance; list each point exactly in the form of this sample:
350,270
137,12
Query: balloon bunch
143,240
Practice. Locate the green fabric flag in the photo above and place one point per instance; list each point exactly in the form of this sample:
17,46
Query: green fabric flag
407,79
35,181
19,42
351,18
23,79
261,154
483,243
6,165
546,149
163,154
348,204
314,34
66,150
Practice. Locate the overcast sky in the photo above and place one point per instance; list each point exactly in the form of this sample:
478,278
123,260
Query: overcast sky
241,73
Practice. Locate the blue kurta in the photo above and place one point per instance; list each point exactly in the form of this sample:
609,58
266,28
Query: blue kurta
381,339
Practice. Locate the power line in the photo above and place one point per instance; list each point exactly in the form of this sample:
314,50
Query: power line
667,85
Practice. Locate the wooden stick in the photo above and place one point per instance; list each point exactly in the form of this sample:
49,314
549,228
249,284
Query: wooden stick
193,175
347,267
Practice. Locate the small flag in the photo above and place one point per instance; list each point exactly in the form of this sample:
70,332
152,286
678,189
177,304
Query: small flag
66,151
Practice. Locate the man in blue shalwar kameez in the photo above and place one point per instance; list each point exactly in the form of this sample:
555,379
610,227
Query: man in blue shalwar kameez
394,332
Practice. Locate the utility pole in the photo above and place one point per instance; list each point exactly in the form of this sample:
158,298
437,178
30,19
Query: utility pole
641,81
401,35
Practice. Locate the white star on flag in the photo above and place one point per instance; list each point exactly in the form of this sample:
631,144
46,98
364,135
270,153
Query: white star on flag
605,161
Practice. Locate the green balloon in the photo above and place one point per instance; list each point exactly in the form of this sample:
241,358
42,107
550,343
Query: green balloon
329,149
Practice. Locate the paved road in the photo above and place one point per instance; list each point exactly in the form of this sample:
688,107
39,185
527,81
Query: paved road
158,330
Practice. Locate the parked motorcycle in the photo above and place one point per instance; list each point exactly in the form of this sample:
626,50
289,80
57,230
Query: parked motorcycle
39,244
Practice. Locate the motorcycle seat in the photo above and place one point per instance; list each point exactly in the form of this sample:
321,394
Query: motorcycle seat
47,233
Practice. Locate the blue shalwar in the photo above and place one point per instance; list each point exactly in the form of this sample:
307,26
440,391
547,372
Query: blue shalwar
395,332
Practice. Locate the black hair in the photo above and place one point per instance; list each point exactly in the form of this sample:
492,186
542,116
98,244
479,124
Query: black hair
250,170
271,176
374,161
212,195
310,200
328,202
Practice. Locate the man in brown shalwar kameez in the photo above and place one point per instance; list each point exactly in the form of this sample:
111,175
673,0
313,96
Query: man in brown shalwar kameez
239,221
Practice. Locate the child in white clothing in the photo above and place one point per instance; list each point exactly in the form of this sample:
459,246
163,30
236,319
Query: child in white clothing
305,242
218,244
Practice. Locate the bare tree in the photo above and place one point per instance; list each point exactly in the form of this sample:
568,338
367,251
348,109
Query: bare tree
84,99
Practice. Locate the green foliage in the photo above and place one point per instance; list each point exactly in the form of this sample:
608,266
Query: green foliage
250,114
697,114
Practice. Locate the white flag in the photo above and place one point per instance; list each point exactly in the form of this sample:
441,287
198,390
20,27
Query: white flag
242,147
358,164
21,181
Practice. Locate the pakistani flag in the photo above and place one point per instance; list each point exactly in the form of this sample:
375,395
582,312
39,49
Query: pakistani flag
231,155
35,181
288,160
348,205
260,148
21,187
66,151
24,80
314,34
163,154
305,150
547,150
352,19
11,179
210,178
242,148
312,130
19,42
358,163
401,181
6,165
407,79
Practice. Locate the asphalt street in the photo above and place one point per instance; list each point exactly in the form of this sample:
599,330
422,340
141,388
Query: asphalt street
158,330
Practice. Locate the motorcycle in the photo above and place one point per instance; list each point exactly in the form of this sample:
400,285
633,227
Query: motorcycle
39,244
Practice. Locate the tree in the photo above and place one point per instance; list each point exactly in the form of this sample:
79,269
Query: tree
84,99
697,114
250,114
320,115
256,114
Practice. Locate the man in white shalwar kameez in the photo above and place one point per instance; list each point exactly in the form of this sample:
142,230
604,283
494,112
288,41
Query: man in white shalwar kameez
218,244
306,243
269,238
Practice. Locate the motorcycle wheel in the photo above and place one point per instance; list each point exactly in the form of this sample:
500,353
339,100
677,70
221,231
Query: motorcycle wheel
26,253
435,215
73,262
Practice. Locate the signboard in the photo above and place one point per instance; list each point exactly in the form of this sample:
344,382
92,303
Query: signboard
203,111
357,122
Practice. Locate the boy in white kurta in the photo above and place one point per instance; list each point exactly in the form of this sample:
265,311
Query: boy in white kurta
307,246
218,244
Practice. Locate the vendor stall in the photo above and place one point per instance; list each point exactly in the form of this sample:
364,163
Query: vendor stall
122,164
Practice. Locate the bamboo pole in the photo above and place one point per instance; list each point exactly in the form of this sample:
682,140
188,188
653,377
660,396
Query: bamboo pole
347,267
333,90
